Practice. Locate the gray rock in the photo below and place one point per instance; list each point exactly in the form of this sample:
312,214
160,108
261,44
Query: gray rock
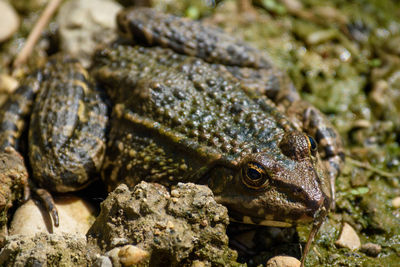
9,21
175,230
283,261
102,261
371,249
348,238
83,25
47,250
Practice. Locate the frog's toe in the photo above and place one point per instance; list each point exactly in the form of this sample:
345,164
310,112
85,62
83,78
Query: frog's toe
48,201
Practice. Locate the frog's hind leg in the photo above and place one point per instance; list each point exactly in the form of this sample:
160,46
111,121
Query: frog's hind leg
13,172
13,115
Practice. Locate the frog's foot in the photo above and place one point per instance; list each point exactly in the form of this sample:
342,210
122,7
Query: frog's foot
48,201
314,123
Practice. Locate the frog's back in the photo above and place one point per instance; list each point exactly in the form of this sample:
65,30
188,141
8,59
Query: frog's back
169,102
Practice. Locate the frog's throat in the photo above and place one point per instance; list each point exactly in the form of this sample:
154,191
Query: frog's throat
319,219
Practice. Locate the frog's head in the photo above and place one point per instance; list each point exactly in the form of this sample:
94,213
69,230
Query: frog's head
282,186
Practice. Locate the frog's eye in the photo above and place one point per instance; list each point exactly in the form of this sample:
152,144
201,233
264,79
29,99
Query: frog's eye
254,175
312,144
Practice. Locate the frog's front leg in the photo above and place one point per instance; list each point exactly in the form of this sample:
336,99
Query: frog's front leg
13,171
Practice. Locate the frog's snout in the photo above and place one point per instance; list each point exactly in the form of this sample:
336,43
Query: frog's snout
315,207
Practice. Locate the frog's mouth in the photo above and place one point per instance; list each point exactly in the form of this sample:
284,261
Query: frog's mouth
306,213
265,222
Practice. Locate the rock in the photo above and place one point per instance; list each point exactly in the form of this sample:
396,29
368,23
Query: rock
13,177
8,84
371,249
396,202
29,6
76,217
197,263
348,238
9,21
83,25
129,255
283,261
13,181
170,229
45,249
113,256
102,261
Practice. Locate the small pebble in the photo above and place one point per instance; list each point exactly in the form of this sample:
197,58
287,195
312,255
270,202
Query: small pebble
175,193
85,24
119,241
102,261
113,256
130,255
9,21
283,261
396,202
204,223
371,249
348,238
170,225
198,263
8,84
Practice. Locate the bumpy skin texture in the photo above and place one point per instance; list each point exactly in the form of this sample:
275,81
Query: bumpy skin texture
190,118
66,132
149,27
66,136
252,68
176,118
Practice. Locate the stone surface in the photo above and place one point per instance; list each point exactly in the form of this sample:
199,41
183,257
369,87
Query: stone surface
396,202
348,238
85,24
45,249
102,261
13,182
171,228
9,21
8,84
371,249
76,217
129,255
283,261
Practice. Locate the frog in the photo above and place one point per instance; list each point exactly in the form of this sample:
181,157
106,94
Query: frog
178,101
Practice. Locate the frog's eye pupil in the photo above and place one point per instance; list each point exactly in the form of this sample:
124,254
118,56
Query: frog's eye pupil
313,144
254,175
